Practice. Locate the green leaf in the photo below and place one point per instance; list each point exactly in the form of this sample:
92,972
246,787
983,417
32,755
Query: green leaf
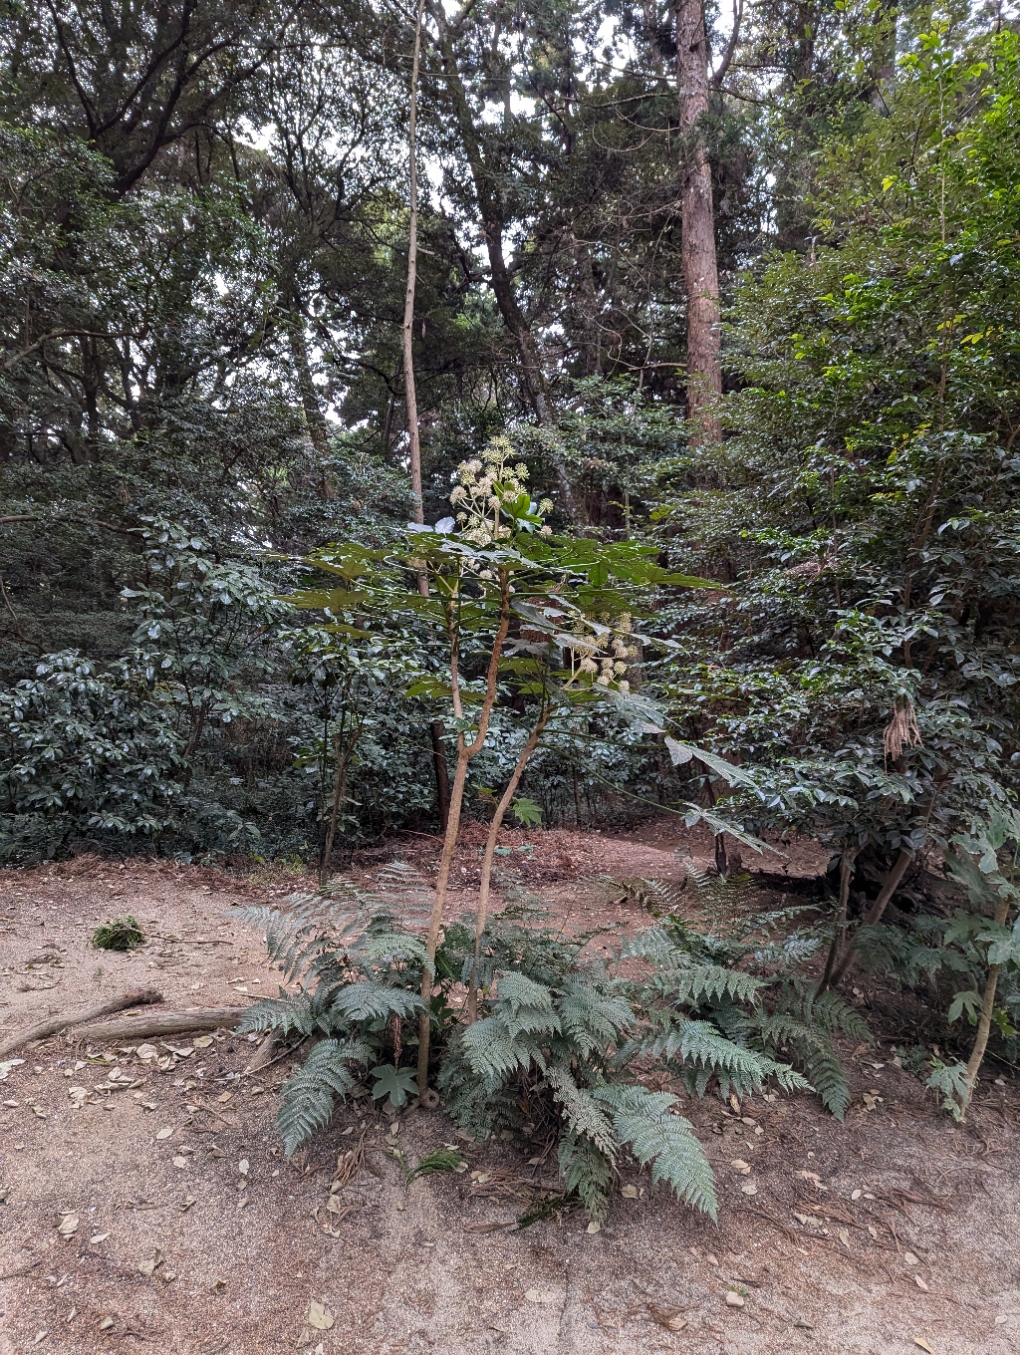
397,1083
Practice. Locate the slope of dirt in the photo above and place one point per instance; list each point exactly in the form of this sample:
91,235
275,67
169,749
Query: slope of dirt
895,1232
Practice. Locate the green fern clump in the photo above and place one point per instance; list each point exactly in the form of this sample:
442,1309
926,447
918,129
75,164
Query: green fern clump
356,961
560,1036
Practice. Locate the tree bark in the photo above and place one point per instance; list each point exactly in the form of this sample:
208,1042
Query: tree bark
410,390
314,420
697,223
874,913
53,1025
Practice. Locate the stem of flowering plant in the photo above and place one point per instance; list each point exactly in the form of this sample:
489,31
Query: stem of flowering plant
984,1025
465,752
490,851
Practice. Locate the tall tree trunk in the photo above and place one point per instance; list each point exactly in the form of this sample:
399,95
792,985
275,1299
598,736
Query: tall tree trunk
411,391
697,222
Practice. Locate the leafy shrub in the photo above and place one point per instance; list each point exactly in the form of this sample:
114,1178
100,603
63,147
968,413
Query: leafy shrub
561,1035
84,752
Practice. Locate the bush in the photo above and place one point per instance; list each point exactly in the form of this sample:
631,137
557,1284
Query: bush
85,752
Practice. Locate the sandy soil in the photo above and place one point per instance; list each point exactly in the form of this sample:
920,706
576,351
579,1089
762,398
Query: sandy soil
204,1241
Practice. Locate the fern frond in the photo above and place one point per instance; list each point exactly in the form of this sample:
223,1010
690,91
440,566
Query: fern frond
591,1017
833,1013
586,1173
309,1095
492,1052
644,1121
301,1012
822,1066
580,1109
372,1001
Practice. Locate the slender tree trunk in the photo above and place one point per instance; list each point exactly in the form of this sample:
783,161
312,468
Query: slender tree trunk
874,913
846,869
341,762
490,851
315,422
984,1027
410,391
697,222
493,226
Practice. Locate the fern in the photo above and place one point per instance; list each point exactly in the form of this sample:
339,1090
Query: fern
586,1173
309,1096
645,1122
581,1111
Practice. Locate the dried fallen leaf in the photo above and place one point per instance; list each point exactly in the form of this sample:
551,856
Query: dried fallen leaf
911,1259
106,1324
920,1341
319,1316
629,1192
96,1238
872,1230
739,1165
844,1237
243,1166
749,1189
164,1133
920,1284
146,1052
78,1095
203,1041
43,1114
224,1097
733,1299
594,1227
67,1224
856,1194
809,1176
180,1161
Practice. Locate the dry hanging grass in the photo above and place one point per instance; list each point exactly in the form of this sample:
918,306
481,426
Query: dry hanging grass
901,732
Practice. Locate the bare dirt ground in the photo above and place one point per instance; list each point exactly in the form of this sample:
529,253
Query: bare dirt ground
895,1232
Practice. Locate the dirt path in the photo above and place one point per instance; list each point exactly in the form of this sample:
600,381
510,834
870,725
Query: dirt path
893,1233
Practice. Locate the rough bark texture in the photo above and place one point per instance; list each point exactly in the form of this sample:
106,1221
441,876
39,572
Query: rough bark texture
146,1025
697,221
139,997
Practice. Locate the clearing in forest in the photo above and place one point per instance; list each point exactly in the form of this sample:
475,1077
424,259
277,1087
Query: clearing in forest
147,1205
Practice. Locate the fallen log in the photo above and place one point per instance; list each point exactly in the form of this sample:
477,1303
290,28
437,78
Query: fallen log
140,997
148,1025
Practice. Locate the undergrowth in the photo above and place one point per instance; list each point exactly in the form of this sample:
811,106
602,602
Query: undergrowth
565,1042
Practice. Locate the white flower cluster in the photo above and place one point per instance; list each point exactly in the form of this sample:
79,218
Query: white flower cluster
610,665
485,488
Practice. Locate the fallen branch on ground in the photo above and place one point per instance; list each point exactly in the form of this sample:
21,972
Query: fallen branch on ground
146,1025
140,997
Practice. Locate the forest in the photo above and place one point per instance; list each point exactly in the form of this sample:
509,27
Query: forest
483,424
